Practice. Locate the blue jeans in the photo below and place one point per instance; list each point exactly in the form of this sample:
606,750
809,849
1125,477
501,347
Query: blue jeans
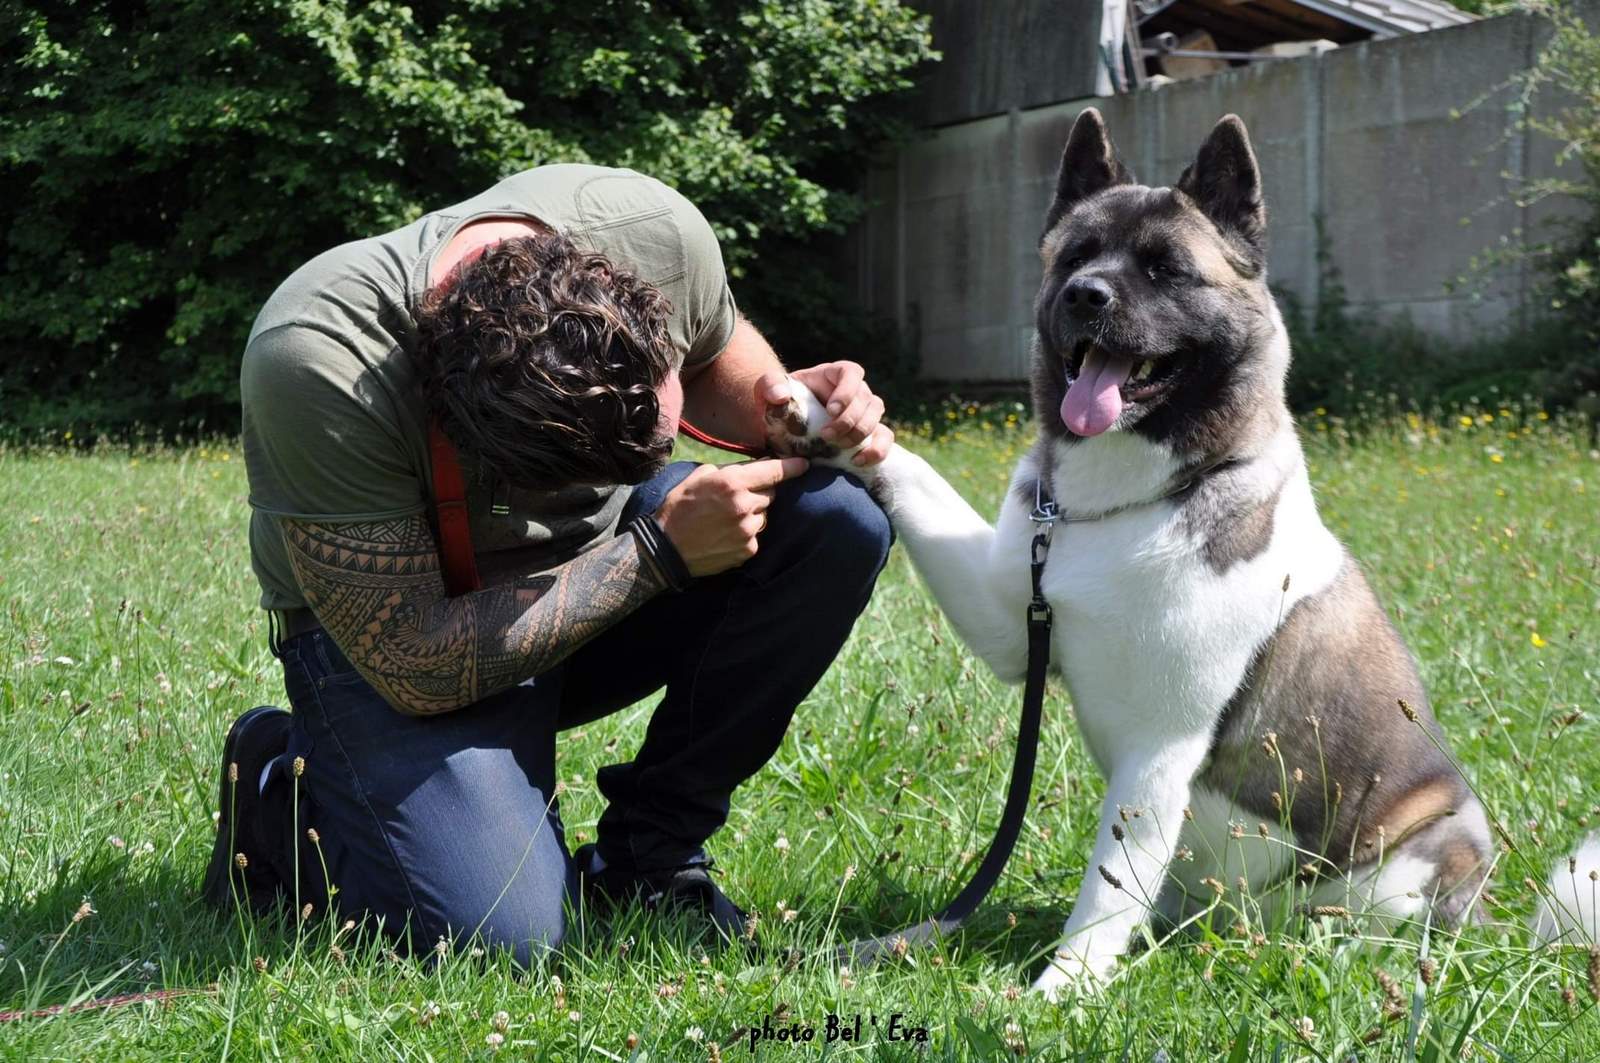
448,826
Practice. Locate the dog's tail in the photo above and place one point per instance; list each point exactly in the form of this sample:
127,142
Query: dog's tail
1569,913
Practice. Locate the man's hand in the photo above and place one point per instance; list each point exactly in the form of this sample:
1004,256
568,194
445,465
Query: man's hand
715,516
857,414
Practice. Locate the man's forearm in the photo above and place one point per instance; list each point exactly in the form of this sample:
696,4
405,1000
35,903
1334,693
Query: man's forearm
721,399
377,590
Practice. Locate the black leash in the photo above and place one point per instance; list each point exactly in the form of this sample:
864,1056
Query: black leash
1044,517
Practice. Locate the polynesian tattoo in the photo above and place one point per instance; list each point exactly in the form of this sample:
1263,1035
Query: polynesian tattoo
377,589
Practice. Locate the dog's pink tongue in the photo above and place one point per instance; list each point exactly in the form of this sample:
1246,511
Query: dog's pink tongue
1094,400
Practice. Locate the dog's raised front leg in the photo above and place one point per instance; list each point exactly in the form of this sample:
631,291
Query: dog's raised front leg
983,593
1138,832
977,573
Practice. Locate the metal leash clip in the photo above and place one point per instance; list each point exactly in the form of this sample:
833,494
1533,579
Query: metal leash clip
1045,512
1044,516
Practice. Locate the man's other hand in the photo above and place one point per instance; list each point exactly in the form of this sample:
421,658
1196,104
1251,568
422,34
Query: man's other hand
856,413
716,514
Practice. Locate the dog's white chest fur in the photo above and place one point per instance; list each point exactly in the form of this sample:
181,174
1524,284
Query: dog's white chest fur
1148,633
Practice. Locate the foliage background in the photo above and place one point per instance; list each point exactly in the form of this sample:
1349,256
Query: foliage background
165,163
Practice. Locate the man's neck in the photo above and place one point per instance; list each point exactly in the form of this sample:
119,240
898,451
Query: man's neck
472,240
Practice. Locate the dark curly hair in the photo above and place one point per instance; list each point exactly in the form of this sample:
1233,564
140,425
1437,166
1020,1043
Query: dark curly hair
542,360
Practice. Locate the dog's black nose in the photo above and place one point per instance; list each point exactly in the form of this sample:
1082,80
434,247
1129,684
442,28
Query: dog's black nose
1088,297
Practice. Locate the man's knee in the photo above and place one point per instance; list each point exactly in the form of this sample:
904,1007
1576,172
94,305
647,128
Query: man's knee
528,941
837,519
526,918
478,852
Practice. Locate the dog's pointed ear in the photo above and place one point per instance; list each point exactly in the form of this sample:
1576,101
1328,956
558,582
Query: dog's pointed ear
1089,164
1225,182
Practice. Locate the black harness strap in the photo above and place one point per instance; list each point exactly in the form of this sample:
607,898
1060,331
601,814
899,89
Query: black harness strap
865,951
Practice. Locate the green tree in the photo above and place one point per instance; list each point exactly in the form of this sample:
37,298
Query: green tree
164,164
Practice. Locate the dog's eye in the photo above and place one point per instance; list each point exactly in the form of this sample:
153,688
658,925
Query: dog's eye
1158,270
1074,262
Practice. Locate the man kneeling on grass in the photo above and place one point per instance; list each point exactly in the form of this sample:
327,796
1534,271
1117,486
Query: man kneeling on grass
554,329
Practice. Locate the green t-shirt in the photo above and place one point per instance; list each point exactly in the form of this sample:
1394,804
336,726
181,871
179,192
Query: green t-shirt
335,426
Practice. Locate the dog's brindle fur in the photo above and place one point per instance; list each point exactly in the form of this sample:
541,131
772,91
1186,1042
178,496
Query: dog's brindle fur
1234,676
1327,687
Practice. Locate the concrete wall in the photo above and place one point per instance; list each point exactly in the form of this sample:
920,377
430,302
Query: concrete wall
1368,137
1019,53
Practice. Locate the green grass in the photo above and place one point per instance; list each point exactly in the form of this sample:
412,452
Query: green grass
129,643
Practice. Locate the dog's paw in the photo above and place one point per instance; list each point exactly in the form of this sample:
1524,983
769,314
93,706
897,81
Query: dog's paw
1070,975
794,429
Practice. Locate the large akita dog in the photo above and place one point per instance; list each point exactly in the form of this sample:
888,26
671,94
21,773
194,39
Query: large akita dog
1233,675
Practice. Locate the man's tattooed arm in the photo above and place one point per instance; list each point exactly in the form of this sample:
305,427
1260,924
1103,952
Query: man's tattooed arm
377,590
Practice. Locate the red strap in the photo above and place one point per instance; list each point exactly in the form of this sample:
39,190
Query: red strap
458,562
721,444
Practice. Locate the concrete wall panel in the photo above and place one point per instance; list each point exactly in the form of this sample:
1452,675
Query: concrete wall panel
997,57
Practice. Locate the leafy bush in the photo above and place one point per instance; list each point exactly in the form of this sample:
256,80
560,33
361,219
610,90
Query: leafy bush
164,164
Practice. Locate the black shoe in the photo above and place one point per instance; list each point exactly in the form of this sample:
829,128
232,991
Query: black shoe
239,868
685,887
